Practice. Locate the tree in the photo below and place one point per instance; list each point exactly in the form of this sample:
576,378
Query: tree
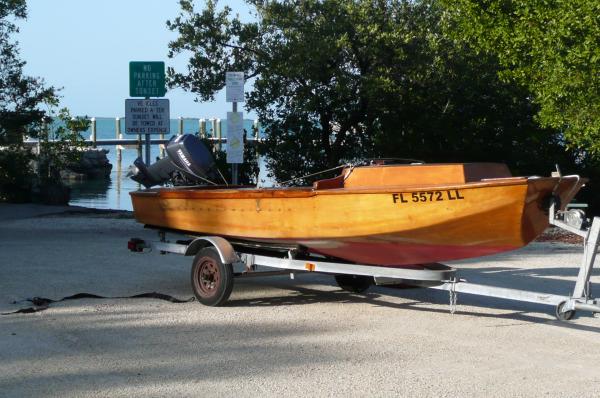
294,90
20,95
551,47
21,114
449,105
59,142
340,80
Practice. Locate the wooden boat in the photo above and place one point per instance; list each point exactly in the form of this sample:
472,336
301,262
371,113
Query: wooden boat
390,215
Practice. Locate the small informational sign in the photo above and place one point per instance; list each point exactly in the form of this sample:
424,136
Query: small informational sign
234,86
235,137
147,116
147,79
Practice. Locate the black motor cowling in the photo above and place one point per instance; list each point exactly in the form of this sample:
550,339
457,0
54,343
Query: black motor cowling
187,162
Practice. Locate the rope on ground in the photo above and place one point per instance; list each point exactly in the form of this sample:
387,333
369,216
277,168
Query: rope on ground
42,303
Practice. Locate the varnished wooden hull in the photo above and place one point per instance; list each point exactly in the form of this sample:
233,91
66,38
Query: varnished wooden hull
389,225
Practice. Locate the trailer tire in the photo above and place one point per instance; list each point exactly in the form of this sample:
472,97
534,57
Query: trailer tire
212,280
354,283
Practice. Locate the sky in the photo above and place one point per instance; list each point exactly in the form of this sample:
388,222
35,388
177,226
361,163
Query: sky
85,46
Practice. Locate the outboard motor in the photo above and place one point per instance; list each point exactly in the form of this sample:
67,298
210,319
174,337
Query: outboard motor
187,162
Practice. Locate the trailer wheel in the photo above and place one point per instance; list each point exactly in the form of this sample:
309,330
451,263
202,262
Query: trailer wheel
564,316
354,283
212,281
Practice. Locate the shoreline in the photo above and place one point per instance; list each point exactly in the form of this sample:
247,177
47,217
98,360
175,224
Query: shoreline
18,211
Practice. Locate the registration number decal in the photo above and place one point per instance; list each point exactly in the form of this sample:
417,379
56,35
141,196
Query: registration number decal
427,196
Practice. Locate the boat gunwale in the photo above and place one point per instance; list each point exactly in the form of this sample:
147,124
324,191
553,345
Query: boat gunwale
303,192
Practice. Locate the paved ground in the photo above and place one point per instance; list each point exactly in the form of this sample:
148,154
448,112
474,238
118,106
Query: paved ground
276,337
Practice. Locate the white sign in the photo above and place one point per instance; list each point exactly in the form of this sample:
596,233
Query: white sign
235,137
147,116
234,86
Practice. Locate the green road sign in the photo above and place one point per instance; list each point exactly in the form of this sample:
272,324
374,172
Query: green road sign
147,79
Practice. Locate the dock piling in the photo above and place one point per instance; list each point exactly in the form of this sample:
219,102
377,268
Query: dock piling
256,126
202,127
93,137
118,136
217,126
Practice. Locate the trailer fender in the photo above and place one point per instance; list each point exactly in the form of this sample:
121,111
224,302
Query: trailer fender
224,248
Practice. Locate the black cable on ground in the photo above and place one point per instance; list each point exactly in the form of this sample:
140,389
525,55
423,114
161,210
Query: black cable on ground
42,303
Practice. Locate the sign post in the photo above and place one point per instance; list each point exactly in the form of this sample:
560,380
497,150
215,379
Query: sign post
234,92
146,79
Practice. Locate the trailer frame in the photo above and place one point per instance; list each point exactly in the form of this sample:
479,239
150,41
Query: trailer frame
248,261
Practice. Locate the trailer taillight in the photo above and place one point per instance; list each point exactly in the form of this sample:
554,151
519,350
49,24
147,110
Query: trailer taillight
136,245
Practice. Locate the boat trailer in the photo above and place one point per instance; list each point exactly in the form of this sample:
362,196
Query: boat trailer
219,261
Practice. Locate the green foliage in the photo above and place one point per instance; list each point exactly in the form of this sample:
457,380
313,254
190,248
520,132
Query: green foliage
551,47
16,175
60,144
20,95
247,172
339,80
304,95
21,114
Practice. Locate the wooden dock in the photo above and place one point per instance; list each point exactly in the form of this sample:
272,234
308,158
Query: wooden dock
138,142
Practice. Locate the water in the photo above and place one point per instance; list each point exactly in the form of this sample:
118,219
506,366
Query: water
113,193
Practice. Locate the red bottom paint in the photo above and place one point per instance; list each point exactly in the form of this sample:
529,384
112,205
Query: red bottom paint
402,254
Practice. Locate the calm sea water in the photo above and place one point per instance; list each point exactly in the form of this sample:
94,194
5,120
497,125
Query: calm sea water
113,193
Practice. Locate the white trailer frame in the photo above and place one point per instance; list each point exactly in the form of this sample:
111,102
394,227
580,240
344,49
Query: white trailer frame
441,278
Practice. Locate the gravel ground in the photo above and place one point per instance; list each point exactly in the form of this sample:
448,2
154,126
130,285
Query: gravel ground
276,337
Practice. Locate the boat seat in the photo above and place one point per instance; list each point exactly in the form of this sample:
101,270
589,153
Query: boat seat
415,175
330,183
424,174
